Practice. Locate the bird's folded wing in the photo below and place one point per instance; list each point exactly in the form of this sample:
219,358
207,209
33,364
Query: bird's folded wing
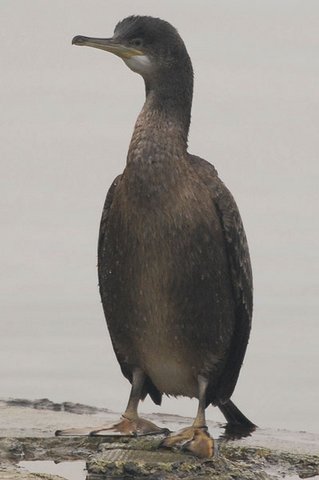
240,273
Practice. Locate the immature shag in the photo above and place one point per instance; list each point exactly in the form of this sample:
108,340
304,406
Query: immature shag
173,261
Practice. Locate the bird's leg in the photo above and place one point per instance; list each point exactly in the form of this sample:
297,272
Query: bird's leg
196,438
135,395
200,420
130,423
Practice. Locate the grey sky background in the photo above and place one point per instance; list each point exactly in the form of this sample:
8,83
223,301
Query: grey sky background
67,115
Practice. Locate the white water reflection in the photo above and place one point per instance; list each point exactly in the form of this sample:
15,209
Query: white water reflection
74,470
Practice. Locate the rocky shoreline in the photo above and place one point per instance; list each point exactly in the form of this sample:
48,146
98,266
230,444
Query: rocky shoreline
27,435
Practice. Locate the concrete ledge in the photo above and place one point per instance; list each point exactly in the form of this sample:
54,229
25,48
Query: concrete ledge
27,434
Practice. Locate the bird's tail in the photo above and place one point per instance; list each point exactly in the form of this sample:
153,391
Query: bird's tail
235,418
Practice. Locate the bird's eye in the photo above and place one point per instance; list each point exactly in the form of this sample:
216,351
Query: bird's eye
136,42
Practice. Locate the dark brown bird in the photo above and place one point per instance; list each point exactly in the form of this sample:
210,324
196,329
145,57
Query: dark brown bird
174,269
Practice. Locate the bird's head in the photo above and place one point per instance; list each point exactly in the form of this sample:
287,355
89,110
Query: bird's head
149,46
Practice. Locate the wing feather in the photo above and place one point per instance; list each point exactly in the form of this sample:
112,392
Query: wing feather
241,278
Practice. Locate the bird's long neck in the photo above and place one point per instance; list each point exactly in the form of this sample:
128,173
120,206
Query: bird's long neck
161,130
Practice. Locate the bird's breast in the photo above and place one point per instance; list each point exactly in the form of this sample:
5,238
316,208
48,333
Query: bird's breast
163,269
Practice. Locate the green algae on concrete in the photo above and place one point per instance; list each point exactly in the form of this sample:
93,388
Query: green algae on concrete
231,463
124,461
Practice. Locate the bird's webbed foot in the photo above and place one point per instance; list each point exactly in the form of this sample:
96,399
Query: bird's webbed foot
195,440
124,427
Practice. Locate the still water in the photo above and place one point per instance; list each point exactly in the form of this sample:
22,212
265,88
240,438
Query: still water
68,470
68,356
67,116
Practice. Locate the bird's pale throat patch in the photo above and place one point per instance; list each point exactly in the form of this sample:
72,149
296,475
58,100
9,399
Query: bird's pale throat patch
138,63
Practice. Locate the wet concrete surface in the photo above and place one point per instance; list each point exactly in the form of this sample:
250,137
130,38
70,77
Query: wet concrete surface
29,449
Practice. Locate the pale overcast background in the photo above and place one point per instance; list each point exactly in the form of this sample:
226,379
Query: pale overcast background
67,115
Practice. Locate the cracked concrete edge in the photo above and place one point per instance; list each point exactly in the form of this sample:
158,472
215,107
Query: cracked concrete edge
138,458
28,428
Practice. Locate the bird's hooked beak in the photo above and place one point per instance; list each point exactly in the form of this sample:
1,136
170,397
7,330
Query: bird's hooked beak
107,44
